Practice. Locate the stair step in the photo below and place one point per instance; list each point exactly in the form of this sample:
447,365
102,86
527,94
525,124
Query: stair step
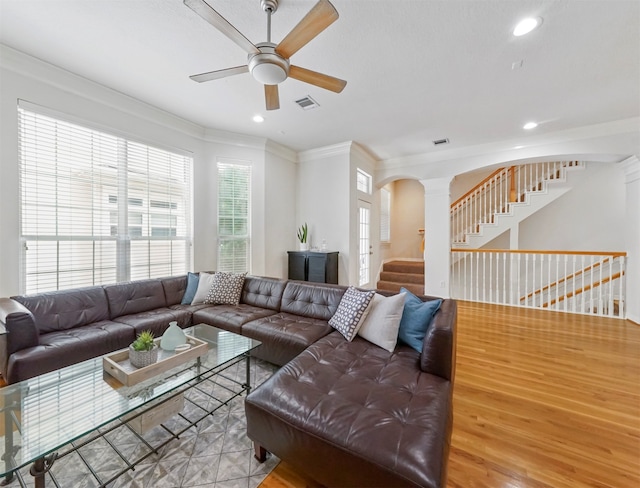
393,286
412,267
402,277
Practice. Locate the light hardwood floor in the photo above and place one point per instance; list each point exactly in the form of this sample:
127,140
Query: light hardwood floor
541,399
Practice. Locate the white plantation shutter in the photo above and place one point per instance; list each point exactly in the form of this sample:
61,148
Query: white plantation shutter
96,208
234,190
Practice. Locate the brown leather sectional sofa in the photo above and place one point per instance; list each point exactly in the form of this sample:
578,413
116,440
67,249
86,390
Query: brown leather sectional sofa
346,413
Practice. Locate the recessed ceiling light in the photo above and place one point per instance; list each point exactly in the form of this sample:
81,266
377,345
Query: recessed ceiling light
518,147
527,25
530,125
258,119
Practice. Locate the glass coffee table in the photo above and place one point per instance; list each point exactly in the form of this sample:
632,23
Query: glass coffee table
50,416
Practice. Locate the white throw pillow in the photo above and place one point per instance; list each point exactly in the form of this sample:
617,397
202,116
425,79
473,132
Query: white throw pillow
381,324
204,285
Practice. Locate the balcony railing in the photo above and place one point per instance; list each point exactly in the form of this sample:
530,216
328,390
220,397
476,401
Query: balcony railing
569,281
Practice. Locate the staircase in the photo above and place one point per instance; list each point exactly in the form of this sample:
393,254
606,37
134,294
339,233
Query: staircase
507,197
405,274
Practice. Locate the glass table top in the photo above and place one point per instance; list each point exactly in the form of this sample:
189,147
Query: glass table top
54,409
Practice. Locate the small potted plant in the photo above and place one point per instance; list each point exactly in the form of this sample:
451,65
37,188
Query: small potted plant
302,237
143,351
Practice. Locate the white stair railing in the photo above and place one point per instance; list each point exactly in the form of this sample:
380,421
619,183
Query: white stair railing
567,281
497,192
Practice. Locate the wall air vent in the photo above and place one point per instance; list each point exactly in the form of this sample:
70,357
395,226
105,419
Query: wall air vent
437,142
307,103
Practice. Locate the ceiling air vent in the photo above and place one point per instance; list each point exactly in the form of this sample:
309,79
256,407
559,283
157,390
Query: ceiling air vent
307,103
437,142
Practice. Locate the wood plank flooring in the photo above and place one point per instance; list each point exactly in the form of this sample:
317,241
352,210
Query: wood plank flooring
541,399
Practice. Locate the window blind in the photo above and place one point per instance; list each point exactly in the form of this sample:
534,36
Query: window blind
234,190
385,215
97,208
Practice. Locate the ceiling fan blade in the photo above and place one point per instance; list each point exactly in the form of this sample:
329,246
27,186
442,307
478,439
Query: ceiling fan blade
318,79
321,16
271,96
221,73
204,10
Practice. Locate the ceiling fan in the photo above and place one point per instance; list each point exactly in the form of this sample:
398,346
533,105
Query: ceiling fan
267,62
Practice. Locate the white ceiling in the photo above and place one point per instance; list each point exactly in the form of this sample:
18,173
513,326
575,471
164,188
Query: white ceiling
417,70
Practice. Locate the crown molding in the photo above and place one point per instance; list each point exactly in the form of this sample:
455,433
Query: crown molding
341,149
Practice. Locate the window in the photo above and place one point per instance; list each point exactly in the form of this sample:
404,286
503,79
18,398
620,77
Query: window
234,189
363,182
97,208
385,215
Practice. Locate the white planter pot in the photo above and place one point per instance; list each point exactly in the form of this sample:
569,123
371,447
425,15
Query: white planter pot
303,246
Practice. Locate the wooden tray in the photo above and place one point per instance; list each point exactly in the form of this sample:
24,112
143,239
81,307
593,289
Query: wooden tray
117,363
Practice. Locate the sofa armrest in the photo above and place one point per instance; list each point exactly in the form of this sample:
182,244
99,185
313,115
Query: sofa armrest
19,331
439,345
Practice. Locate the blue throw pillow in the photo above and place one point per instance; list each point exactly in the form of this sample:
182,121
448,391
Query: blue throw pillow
192,287
416,318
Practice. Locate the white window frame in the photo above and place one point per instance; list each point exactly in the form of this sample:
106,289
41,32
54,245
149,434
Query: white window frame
74,225
364,181
385,215
231,240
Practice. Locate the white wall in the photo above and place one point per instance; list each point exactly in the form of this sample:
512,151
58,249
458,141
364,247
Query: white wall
406,218
589,217
323,201
279,214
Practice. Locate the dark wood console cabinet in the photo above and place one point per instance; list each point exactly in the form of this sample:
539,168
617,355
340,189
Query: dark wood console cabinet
316,266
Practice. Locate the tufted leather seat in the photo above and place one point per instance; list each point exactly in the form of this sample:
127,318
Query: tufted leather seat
353,414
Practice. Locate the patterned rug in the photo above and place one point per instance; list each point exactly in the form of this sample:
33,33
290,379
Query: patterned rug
215,453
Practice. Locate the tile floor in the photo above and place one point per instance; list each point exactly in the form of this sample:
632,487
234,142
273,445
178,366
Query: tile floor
215,453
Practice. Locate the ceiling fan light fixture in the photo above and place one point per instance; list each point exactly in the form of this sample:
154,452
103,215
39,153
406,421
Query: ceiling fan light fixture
269,74
268,67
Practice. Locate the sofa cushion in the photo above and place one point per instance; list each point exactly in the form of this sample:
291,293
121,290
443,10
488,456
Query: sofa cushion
380,327
174,289
284,335
226,288
263,292
64,348
157,321
416,318
134,297
66,309
351,312
353,414
229,317
316,301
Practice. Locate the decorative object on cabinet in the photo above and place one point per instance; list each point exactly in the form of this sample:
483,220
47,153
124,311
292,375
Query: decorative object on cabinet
319,267
302,237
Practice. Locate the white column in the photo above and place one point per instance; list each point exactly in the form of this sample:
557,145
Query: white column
631,167
437,236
